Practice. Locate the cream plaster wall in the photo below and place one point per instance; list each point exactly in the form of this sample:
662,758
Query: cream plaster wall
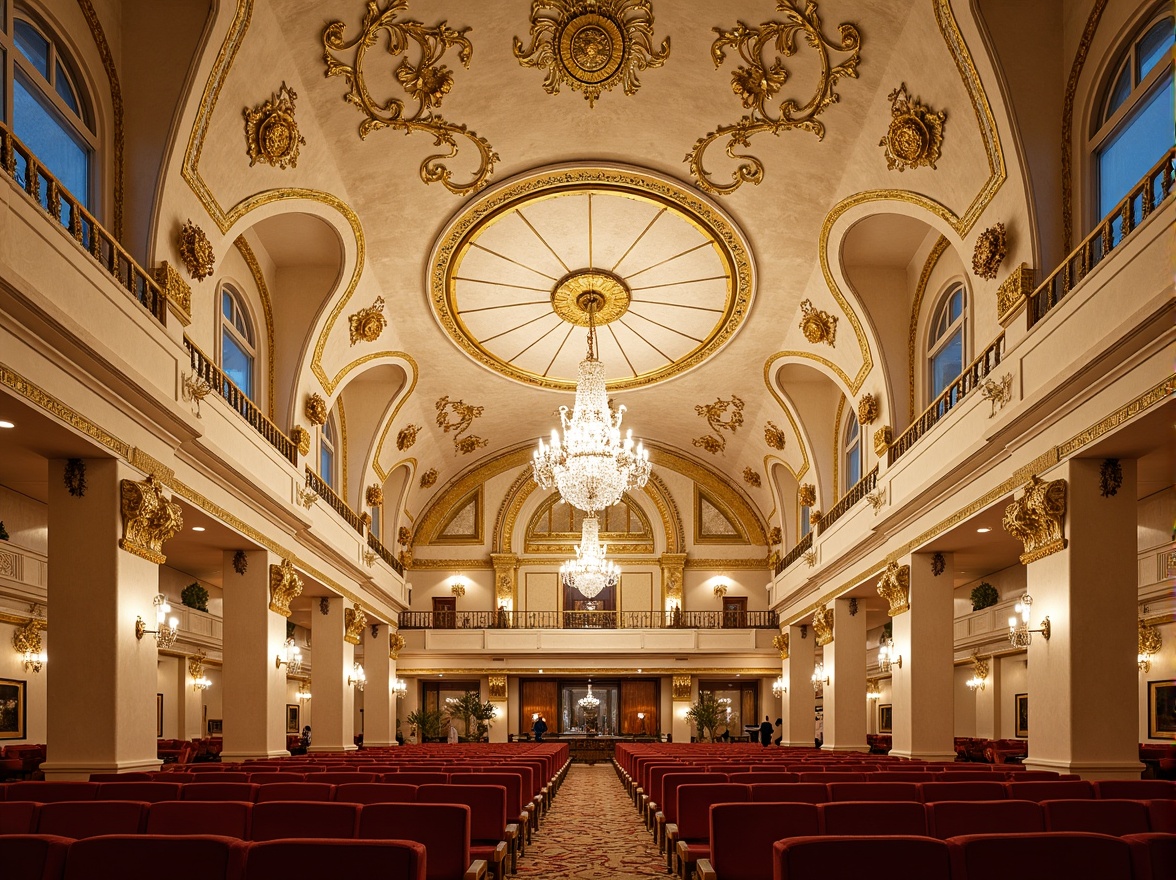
25,519
36,683
1014,679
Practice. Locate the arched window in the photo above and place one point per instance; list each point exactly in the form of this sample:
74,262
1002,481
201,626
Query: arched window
947,345
50,112
803,519
1134,126
327,445
238,347
851,448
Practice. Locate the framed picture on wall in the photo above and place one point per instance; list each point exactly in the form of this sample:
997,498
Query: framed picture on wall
159,716
292,724
13,711
215,727
1021,716
1161,709
885,718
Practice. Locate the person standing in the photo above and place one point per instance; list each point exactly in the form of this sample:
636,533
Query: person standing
778,733
539,728
765,732
452,733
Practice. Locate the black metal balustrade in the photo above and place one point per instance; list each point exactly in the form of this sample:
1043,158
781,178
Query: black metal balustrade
803,546
1115,228
218,382
503,619
318,485
860,490
384,553
18,163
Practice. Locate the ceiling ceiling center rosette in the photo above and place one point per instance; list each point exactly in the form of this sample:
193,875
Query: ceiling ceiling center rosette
669,273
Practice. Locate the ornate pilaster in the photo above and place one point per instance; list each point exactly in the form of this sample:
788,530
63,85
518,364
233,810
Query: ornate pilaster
672,567
823,625
506,575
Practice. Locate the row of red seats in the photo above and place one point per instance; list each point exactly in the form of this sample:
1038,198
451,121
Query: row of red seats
43,857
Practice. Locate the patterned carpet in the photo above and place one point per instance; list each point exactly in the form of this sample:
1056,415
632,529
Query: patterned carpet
592,832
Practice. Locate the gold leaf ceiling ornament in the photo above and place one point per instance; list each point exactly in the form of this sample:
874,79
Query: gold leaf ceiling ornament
807,495
759,79
424,80
752,478
407,436
591,45
990,250
817,326
915,134
457,416
714,414
271,134
316,409
428,478
774,436
868,409
196,251
368,323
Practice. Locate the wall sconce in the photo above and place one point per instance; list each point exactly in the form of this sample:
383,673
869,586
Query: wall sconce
979,674
304,690
1150,643
873,689
399,688
196,670
457,586
721,588
357,679
819,677
887,656
27,641
293,659
1020,635
779,689
166,629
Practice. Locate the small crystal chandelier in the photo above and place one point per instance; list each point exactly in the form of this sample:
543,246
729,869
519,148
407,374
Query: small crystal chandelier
357,679
592,466
873,689
779,689
167,629
292,660
979,674
819,678
588,702
590,572
1150,643
887,656
399,688
1020,635
304,690
200,682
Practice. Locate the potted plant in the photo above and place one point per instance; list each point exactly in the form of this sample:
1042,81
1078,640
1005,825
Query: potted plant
195,596
427,723
706,715
476,716
984,596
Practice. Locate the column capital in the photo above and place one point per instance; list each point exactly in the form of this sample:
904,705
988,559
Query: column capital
895,587
1037,518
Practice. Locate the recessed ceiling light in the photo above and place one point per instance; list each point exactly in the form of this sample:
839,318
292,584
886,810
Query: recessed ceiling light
638,670
540,671
4,423
983,531
198,528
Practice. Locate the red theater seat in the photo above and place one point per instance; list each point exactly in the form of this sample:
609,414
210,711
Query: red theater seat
414,777
50,792
691,839
826,776
951,818
223,818
176,858
18,817
792,792
219,791
1162,814
375,793
1154,855
78,819
1115,817
489,833
962,791
754,777
988,856
443,830
874,791
1050,790
275,777
296,819
1134,789
33,856
130,777
916,858
311,858
338,778
294,791
872,817
148,792
742,835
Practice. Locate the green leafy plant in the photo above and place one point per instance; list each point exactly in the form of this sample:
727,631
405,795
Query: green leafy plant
195,596
427,722
984,596
475,715
888,630
3,531
706,715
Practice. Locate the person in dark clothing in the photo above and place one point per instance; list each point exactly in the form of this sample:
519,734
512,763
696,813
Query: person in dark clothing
765,731
540,728
779,731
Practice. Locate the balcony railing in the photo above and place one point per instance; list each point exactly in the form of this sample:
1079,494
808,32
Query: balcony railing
971,378
803,546
317,484
588,620
860,490
18,162
384,553
217,381
1114,229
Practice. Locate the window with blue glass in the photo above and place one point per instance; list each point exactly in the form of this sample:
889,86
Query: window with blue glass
327,444
852,452
947,348
805,525
238,351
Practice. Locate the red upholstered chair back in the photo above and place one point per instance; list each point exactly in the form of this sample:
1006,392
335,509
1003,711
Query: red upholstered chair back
802,858
272,777
149,792
512,782
224,818
962,791
872,817
298,819
414,777
655,774
132,777
340,778
670,783
983,856
18,817
1050,790
259,767
34,856
294,791
874,791
900,776
386,859
50,792
1153,854
78,819
1133,789
741,835
694,806
951,818
1162,814
443,829
487,805
375,793
794,792
755,777
186,858
1116,817
824,777
226,776
219,791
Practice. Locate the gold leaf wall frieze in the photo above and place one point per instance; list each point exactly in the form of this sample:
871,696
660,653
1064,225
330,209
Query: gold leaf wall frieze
722,415
823,626
177,291
354,620
271,132
148,517
424,79
1013,291
915,135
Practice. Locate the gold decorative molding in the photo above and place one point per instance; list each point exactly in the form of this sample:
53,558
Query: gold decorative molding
458,416
496,686
506,572
591,45
177,291
316,409
877,499
148,517
868,409
810,558
998,392
991,246
774,436
354,621
823,626
368,323
704,562
680,688
250,258
395,645
116,103
815,516
807,495
672,567
915,135
752,478
780,643
428,478
196,251
1037,518
285,586
374,495
775,536
713,413
895,587
883,437
425,81
300,437
194,389
1076,67
271,133
761,79
817,326
1013,292
929,264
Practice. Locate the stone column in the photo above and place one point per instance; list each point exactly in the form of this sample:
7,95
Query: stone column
988,702
334,698
924,687
255,607
379,709
1080,549
506,567
845,667
101,683
800,700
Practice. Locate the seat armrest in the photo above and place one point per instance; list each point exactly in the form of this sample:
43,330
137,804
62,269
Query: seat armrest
703,870
512,831
478,868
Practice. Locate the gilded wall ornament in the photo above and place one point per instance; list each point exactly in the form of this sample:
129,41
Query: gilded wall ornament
404,536
760,78
316,409
468,444
817,326
1150,643
680,688
428,478
810,558
774,436
395,645
285,586
751,478
883,437
368,323
194,388
496,686
895,587
148,517
74,477
300,437
998,393
1037,519
196,251
423,79
407,436
354,620
26,639
1013,291
369,557
1110,477
991,247
938,565
915,134
823,625
780,643
868,409
457,416
271,134
876,499
177,291
775,536
807,495
815,516
722,415
591,45
306,497
374,495
240,562
365,520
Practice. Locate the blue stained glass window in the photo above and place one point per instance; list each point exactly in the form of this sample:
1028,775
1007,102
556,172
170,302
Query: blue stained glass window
50,140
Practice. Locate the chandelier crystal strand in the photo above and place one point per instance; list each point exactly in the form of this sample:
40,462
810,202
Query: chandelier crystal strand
590,572
588,701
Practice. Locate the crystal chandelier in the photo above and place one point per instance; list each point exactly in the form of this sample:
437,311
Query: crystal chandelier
588,702
592,466
590,572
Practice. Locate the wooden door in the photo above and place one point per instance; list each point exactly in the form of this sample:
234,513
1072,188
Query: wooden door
444,612
734,611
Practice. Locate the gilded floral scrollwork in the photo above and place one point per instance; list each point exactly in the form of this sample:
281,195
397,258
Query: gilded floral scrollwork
457,416
883,437
496,686
285,586
998,393
680,688
823,625
354,620
868,409
149,519
424,80
714,414
428,478
300,437
774,436
395,645
368,323
817,325
915,134
374,495
895,587
752,478
780,643
407,436
990,250
271,134
316,409
760,78
1037,518
196,251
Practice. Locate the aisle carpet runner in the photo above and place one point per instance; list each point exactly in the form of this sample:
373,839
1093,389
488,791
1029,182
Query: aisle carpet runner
592,832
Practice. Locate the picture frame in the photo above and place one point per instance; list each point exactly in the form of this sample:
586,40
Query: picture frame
13,708
293,725
1021,716
1161,709
886,718
215,727
159,716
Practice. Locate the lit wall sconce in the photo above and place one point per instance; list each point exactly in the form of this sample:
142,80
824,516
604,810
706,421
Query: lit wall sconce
292,659
27,642
873,689
399,688
721,588
1150,643
304,690
196,670
779,689
979,674
357,679
167,629
457,586
1020,635
887,656
819,677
